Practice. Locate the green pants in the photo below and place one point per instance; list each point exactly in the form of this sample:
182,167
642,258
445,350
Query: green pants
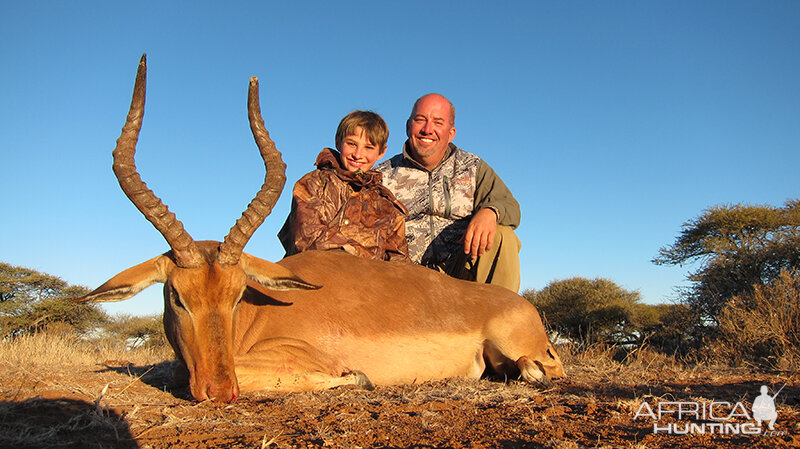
498,266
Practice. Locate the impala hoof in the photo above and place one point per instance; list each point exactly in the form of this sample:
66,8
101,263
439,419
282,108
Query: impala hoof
544,383
362,381
533,372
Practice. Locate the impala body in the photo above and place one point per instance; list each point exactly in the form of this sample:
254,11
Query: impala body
315,320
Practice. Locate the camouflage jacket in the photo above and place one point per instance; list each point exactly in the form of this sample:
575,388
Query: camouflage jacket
441,202
333,208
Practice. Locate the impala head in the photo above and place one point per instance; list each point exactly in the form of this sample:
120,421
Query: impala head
203,281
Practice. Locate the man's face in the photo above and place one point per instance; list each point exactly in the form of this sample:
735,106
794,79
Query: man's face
358,153
430,129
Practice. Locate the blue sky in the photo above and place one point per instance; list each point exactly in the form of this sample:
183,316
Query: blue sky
612,122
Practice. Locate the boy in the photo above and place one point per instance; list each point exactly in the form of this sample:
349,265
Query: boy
342,204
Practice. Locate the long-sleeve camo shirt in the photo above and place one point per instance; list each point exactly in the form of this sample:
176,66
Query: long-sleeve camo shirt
333,208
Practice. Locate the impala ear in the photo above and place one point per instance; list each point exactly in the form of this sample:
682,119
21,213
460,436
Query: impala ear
131,281
272,275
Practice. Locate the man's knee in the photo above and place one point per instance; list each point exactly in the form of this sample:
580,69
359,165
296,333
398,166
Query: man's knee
498,266
501,266
506,237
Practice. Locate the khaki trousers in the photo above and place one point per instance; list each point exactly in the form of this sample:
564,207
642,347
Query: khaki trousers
498,266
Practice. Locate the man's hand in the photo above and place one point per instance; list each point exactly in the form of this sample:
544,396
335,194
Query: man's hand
480,233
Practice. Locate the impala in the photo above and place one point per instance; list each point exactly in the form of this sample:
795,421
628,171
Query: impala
314,320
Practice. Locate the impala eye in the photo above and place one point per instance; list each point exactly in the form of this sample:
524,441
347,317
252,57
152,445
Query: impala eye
176,298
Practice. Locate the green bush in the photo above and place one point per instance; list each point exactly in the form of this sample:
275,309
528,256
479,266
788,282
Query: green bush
588,311
138,331
734,248
30,301
668,328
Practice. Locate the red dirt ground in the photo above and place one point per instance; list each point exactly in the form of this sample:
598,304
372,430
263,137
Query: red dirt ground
117,405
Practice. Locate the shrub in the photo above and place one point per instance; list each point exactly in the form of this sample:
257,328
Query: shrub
30,301
668,328
762,328
587,311
734,247
138,331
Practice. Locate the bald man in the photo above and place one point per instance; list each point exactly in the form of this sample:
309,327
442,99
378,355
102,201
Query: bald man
461,214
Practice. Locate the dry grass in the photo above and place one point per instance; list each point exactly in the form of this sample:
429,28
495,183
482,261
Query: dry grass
50,403
762,329
57,349
605,364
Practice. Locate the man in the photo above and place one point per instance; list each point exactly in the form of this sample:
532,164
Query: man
461,215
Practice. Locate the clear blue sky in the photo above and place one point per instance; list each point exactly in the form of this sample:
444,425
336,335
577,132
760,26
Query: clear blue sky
612,122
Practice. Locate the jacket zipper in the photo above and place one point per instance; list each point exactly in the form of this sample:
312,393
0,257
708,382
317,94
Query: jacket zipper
446,187
430,208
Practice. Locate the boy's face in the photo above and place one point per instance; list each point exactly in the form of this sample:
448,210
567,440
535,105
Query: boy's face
358,153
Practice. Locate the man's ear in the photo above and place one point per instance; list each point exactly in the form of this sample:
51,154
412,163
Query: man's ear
452,134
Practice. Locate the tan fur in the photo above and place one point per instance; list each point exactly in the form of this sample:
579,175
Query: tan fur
395,322
399,322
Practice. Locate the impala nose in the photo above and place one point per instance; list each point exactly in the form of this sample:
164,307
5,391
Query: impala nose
217,391
223,393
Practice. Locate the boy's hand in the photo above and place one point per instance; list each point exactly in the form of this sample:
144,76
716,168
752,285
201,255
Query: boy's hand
480,233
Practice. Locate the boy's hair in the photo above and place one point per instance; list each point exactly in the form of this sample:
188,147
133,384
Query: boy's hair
373,125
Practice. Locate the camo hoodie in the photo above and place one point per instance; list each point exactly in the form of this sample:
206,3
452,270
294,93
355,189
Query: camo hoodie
441,202
333,208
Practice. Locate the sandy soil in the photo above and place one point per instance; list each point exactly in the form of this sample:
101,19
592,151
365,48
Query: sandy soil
118,405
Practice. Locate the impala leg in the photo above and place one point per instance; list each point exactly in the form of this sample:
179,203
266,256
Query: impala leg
525,367
286,364
536,362
533,372
520,347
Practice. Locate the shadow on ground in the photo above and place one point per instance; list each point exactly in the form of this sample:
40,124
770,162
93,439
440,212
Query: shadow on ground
160,376
63,423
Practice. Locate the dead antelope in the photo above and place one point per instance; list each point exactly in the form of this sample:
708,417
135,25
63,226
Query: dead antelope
317,319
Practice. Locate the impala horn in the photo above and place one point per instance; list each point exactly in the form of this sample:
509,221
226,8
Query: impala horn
186,252
231,249
183,246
